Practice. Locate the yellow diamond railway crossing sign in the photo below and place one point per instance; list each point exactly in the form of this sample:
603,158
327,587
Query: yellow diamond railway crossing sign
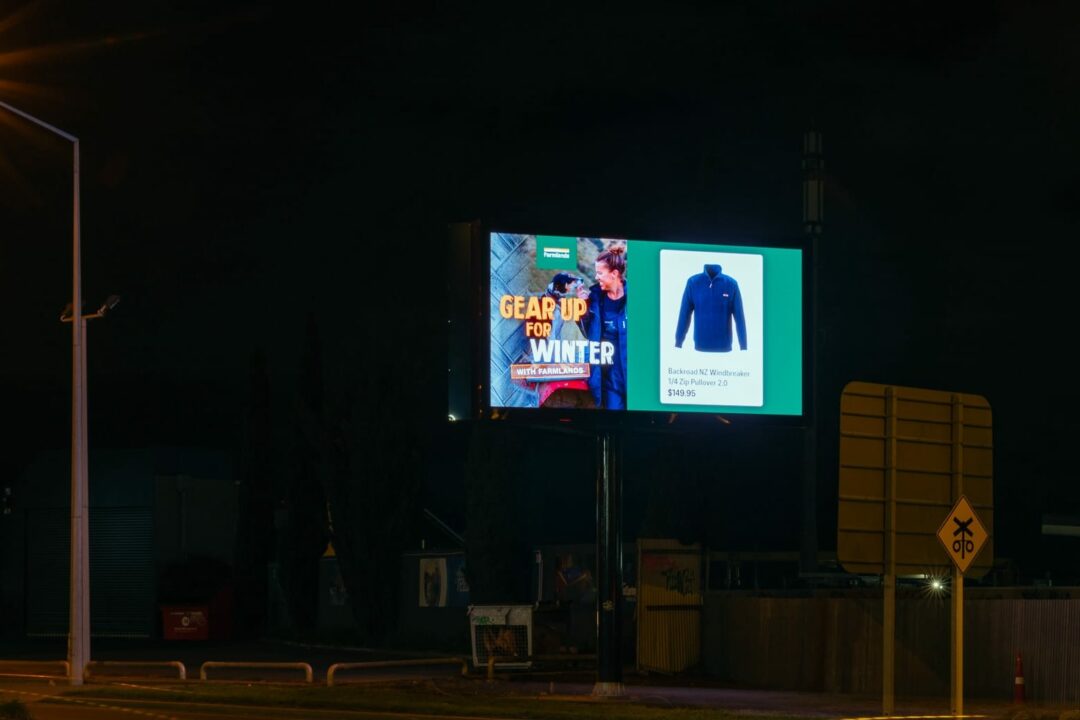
962,534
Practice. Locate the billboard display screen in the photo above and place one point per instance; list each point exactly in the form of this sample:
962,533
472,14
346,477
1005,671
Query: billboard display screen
642,325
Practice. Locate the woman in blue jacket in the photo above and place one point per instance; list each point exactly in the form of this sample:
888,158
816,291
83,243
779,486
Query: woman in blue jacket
605,320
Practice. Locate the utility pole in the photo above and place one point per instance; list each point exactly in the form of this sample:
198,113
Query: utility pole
813,167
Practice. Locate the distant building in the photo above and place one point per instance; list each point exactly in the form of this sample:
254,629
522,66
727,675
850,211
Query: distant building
155,514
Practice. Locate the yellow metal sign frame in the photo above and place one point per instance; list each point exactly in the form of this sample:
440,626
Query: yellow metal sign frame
906,456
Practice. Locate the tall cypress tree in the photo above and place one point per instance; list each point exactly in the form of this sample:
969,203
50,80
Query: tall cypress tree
369,465
305,533
255,505
492,540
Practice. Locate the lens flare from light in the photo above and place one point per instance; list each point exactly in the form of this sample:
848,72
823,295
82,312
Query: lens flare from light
17,16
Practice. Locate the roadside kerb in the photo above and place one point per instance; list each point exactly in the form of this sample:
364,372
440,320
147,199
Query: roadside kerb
308,674
102,664
377,664
33,664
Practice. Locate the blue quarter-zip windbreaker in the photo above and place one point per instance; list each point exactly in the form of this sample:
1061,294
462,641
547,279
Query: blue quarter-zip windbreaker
713,299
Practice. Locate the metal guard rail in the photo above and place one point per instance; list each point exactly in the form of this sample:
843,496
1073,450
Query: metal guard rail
308,674
376,664
181,670
32,664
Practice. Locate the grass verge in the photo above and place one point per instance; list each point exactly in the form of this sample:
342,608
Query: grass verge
461,698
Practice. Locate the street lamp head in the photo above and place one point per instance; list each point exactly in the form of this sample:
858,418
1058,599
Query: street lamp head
110,302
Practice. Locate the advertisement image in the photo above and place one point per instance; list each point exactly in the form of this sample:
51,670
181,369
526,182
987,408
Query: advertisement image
559,329
605,324
711,328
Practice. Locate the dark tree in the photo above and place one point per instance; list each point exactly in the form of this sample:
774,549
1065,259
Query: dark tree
255,504
369,464
493,544
304,533
677,501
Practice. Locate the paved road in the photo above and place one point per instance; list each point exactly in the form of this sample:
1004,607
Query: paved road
803,704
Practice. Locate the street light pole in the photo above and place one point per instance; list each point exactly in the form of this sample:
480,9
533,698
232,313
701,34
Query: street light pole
79,627
79,630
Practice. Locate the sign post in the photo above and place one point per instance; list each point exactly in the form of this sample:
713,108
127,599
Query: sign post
906,456
963,536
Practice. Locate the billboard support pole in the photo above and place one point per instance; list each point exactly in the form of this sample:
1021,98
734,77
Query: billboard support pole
608,567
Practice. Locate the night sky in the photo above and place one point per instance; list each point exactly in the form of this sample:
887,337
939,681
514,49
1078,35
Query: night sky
248,164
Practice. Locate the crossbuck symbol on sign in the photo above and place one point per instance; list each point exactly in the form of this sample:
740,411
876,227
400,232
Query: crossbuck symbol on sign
962,544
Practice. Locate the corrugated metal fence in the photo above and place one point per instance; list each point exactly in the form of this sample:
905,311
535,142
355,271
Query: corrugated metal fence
833,644
1046,632
122,582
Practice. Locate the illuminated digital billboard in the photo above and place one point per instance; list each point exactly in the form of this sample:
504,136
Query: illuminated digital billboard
642,325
